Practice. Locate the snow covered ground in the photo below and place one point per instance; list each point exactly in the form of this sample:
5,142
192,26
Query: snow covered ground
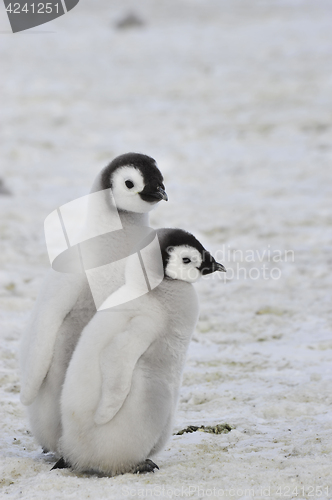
233,98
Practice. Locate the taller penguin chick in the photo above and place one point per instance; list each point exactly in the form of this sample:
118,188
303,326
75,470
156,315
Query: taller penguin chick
122,384
132,185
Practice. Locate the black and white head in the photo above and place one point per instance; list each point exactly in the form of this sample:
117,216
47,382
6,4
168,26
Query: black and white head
136,182
184,257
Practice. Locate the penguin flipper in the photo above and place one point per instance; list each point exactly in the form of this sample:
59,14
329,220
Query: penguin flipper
117,363
58,295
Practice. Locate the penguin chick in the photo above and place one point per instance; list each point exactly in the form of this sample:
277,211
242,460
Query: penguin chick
66,304
122,384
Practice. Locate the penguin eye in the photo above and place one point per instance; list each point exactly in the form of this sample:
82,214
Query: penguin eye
129,184
186,260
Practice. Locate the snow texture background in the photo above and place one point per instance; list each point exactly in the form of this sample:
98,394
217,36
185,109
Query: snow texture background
234,100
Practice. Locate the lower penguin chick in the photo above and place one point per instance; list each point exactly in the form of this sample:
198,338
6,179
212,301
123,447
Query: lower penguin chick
121,388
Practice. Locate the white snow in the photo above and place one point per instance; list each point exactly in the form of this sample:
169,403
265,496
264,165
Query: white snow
233,98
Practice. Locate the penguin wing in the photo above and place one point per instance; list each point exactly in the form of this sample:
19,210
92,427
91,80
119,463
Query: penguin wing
57,297
117,363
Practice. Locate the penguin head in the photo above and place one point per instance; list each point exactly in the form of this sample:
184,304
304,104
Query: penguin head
184,257
136,182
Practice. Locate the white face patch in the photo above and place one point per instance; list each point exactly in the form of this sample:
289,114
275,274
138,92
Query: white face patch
183,263
127,182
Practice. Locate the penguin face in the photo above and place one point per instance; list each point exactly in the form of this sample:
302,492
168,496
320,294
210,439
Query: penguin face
136,182
183,263
184,257
127,184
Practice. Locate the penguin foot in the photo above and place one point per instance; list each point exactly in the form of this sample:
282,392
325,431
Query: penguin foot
61,464
45,450
147,466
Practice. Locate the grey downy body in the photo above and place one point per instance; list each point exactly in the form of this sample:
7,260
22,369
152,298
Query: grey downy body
66,304
122,384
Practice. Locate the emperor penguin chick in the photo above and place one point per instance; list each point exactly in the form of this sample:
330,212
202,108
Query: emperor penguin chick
121,388
128,188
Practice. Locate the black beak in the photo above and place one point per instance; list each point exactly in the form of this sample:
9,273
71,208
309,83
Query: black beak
218,267
153,195
161,193
210,266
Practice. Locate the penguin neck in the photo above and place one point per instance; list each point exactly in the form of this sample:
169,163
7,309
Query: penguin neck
133,219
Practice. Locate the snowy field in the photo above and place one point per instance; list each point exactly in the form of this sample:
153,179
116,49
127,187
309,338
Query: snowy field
234,100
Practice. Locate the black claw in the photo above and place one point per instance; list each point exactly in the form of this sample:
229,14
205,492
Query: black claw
45,450
61,464
147,466
152,464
